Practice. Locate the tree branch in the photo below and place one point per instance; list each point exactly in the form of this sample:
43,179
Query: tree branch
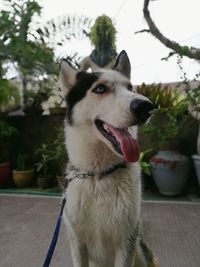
145,30
191,52
171,54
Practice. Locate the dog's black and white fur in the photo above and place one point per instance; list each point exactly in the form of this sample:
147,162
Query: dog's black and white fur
103,200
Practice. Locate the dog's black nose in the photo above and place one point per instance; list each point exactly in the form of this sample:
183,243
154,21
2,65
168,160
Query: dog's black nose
141,109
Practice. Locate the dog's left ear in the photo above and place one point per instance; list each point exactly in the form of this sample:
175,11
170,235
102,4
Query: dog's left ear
123,64
67,76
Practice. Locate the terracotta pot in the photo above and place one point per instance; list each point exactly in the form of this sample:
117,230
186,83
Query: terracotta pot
23,178
4,173
45,181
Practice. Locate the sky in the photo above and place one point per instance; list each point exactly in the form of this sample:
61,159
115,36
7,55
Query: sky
177,19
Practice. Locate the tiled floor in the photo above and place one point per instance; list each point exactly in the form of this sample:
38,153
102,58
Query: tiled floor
172,229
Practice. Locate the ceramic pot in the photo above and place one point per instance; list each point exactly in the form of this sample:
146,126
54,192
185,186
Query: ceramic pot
170,171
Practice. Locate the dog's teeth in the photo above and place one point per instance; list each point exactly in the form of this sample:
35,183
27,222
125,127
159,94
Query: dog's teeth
105,126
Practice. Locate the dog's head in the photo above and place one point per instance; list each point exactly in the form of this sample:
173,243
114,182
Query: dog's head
106,104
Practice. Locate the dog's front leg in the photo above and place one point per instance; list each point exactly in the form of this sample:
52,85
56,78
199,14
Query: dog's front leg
79,254
78,249
125,255
124,258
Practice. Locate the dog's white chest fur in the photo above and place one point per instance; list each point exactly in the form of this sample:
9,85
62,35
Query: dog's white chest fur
102,212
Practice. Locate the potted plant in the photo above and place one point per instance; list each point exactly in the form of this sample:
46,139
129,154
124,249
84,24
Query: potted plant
9,100
45,157
60,157
6,132
170,169
103,38
193,95
23,175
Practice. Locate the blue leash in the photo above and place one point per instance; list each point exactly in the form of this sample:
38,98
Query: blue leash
55,237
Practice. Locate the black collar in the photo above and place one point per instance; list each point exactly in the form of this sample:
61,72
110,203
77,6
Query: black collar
112,169
75,173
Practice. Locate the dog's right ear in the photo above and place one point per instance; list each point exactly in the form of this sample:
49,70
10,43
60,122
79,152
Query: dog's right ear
123,64
67,76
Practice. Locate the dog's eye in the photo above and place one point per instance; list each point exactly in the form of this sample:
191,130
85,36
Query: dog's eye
100,89
130,87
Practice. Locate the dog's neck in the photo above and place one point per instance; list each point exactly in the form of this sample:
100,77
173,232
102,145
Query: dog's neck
89,154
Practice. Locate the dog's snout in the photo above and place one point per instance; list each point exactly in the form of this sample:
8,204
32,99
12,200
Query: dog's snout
141,109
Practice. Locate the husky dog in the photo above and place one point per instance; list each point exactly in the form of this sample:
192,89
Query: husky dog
104,196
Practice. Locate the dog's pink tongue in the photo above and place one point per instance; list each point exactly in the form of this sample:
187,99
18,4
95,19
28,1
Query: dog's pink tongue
129,146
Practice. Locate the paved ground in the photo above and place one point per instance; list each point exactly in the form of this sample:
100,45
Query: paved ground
26,225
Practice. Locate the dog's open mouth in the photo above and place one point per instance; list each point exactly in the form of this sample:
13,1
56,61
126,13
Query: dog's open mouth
121,140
